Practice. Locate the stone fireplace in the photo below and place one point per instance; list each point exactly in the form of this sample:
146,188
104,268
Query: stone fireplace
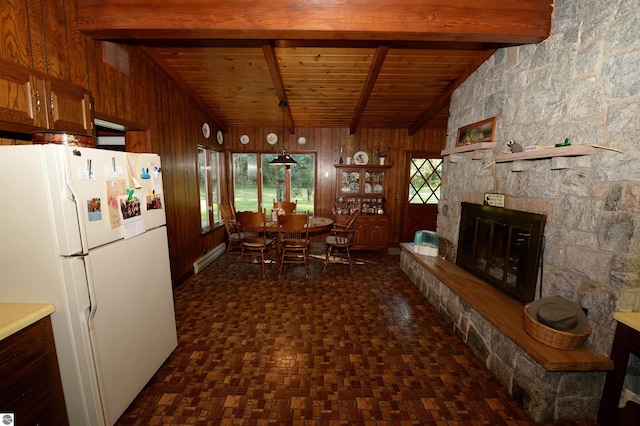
581,83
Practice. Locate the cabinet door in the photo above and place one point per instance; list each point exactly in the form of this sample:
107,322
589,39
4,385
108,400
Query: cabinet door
68,108
22,100
372,233
348,183
374,183
30,385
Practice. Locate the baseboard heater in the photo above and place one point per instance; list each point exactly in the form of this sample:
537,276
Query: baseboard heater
205,260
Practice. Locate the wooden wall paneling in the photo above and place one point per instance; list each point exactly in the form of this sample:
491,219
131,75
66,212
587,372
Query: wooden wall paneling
36,31
185,178
173,114
126,95
55,37
170,172
118,90
137,141
142,88
397,139
77,47
105,93
14,32
93,56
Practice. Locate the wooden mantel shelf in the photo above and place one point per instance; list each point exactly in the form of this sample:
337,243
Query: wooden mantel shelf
561,151
467,148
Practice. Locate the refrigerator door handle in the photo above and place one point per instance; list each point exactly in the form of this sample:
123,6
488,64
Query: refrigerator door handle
92,309
71,195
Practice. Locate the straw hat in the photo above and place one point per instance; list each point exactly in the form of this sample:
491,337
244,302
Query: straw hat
560,314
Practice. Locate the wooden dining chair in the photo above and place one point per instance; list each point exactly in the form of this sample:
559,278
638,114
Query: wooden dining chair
254,244
293,240
233,245
340,239
287,206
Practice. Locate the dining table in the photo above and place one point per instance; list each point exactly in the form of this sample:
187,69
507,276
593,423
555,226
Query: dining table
318,225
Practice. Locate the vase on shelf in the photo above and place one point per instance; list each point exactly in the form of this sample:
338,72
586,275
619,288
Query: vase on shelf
382,160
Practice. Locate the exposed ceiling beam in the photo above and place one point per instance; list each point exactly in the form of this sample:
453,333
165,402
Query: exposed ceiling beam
491,21
444,98
374,70
276,77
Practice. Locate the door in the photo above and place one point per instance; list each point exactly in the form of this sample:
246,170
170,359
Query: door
96,180
148,172
22,98
133,327
68,108
422,193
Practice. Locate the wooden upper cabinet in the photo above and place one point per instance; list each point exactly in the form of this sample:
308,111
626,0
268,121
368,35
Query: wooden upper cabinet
68,108
21,101
31,101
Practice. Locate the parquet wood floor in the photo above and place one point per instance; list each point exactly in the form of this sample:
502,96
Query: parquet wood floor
341,348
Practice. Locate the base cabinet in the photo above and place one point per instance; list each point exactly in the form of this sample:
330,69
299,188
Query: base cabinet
372,232
30,387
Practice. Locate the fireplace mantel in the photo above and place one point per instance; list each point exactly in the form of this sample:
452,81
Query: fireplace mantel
549,152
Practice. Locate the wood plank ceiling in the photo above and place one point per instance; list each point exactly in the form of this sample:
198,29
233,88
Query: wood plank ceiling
345,64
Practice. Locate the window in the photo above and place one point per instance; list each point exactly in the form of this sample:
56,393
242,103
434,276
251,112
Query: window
209,181
255,186
425,180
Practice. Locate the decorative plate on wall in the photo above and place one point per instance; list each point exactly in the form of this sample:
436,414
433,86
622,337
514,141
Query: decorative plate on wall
244,139
272,138
206,130
220,137
302,140
360,158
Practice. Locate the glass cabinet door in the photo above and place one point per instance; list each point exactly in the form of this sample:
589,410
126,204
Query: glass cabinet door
373,182
349,182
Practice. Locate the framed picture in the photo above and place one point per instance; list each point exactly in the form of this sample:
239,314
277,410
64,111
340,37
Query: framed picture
482,131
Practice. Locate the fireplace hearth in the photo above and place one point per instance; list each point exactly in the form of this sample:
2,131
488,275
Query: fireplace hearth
502,247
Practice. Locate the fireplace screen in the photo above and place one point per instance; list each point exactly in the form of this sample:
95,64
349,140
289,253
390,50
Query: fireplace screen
502,247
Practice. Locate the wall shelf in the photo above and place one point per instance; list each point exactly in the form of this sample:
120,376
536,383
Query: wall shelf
467,148
562,151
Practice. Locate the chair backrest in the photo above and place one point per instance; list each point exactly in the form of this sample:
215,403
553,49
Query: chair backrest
252,225
227,217
344,234
288,207
226,210
293,226
351,222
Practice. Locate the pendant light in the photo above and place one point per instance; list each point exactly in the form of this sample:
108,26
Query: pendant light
283,158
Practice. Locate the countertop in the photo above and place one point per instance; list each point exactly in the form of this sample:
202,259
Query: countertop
630,319
17,316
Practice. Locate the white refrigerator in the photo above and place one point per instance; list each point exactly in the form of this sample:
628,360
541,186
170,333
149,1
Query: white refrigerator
85,230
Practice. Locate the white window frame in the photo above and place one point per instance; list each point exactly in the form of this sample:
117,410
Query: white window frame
209,196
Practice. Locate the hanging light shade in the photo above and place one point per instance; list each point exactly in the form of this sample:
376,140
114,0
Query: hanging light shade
283,158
